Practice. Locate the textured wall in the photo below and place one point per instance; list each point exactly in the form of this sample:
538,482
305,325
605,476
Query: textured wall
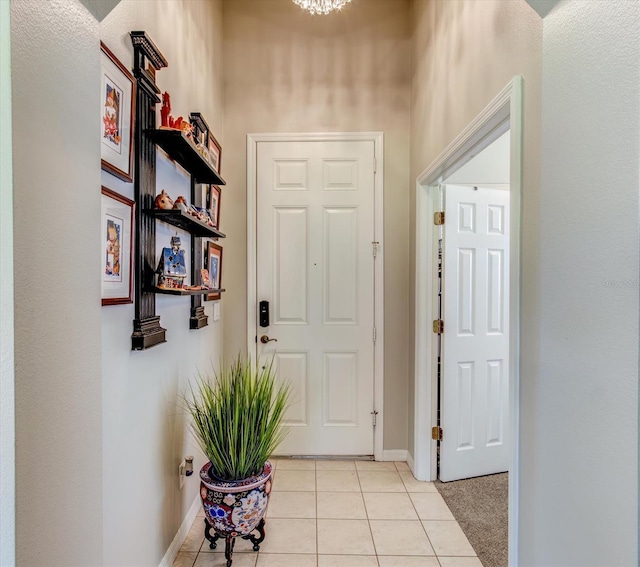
7,428
579,498
464,53
286,71
144,429
57,292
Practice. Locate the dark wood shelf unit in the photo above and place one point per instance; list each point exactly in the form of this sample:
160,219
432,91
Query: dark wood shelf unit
182,150
185,291
187,222
147,331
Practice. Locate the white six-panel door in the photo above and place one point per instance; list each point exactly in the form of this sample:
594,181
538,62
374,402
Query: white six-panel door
475,381
315,266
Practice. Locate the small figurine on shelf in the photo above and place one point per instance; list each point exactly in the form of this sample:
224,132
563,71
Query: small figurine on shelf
163,201
187,129
204,151
198,212
181,204
204,279
172,269
166,120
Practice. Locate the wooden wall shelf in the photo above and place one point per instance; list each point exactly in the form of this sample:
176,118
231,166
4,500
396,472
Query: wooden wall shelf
185,291
147,330
187,222
181,149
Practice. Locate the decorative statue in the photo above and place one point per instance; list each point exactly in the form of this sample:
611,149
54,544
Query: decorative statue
172,269
181,203
163,201
168,121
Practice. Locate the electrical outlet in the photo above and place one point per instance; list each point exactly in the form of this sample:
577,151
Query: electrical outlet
216,311
181,475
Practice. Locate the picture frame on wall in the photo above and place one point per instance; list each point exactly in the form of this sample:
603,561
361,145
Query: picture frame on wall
215,153
117,115
214,195
118,217
213,263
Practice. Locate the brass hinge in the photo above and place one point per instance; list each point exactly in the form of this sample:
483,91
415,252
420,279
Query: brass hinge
436,433
438,218
374,415
438,326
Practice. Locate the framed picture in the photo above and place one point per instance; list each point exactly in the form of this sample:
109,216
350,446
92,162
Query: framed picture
213,263
117,248
215,152
117,108
213,204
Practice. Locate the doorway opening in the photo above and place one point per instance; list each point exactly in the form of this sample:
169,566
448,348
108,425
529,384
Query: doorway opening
502,115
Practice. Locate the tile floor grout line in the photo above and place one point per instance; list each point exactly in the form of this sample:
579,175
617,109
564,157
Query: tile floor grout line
315,480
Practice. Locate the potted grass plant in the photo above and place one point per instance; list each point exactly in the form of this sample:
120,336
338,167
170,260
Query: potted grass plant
236,418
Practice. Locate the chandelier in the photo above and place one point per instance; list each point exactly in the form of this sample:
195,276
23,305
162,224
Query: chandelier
321,6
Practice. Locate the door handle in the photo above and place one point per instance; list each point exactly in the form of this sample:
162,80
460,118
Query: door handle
264,339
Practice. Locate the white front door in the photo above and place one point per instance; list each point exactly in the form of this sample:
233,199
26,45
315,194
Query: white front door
315,267
474,401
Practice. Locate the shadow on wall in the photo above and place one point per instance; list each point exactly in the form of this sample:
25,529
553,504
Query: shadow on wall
324,63
451,26
189,19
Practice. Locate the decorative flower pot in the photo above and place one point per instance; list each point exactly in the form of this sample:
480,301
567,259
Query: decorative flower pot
234,508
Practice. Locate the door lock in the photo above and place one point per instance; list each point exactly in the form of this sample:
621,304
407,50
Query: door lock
264,339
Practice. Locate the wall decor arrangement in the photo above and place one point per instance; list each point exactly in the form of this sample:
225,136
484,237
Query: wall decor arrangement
214,195
187,143
117,112
213,264
215,151
118,216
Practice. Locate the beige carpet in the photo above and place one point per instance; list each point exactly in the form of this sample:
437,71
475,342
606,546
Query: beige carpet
480,507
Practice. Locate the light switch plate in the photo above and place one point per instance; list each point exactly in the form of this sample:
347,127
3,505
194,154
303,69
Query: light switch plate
216,311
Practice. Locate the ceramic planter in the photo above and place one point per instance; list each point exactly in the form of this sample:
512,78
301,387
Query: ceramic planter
234,508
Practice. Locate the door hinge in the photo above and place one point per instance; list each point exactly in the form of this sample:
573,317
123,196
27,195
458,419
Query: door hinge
375,334
438,326
374,246
375,165
374,416
436,433
438,218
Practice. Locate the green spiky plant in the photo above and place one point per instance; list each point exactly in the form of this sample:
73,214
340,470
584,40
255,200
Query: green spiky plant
237,415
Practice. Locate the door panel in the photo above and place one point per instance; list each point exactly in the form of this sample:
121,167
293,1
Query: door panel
315,226
475,383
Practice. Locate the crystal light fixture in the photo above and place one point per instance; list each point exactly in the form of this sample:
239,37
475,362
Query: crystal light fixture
321,6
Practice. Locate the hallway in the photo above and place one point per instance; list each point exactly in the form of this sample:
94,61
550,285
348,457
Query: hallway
345,514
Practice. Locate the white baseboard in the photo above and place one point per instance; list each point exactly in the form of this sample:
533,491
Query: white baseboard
176,544
411,462
394,455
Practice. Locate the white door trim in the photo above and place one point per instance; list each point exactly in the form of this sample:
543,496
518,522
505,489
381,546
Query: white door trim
377,139
503,113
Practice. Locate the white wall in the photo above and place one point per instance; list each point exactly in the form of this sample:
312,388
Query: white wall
7,429
144,429
287,71
464,54
58,400
579,499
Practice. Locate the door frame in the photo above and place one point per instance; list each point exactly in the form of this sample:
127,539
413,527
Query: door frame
252,299
504,112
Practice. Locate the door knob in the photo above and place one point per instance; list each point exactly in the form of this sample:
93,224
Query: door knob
264,339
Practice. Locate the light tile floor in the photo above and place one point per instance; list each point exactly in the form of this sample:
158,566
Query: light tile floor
345,514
